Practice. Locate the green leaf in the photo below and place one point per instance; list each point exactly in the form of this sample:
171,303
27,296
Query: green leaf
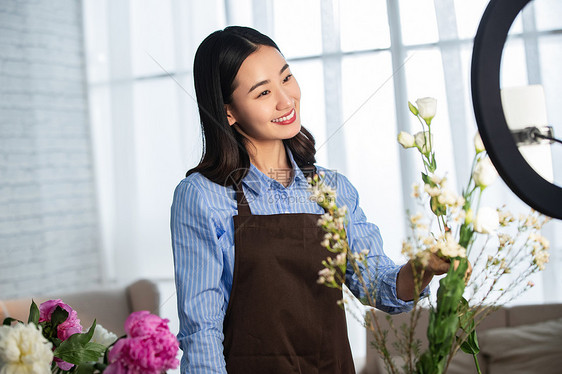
466,317
8,321
59,316
426,178
437,208
33,313
75,353
86,368
471,346
90,368
78,349
465,235
413,109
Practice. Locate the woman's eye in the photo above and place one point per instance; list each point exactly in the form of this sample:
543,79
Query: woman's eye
263,93
287,78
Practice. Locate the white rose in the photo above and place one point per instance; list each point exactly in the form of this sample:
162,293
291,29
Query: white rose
484,173
24,349
422,141
427,107
406,140
478,144
487,220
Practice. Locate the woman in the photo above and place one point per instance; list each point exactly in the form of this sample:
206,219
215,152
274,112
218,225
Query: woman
246,245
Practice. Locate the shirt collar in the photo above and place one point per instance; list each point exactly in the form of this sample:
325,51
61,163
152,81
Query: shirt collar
258,182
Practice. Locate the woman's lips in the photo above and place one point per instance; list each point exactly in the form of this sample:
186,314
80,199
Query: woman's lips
287,119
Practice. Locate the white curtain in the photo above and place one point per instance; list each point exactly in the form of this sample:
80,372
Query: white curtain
358,63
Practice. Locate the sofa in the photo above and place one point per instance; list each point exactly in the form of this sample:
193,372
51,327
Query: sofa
518,339
110,306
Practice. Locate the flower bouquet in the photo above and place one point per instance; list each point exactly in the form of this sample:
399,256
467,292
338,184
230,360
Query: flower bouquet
504,251
53,341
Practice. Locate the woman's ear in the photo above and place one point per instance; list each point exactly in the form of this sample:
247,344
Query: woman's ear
229,114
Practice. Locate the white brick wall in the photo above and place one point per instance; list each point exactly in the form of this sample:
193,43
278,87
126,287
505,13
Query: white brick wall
48,220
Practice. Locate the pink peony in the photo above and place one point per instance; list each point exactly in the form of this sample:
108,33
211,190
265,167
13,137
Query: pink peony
143,323
149,348
69,327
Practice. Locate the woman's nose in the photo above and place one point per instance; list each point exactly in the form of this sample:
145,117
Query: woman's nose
284,101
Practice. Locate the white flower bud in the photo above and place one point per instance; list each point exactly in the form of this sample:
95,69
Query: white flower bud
478,144
487,220
422,141
484,173
406,140
427,106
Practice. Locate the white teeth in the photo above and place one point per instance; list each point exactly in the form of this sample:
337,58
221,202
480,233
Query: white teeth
286,118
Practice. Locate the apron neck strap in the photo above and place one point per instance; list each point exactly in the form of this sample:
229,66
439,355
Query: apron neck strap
243,206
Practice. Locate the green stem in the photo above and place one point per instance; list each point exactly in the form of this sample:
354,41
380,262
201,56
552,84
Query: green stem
474,159
479,198
476,363
429,136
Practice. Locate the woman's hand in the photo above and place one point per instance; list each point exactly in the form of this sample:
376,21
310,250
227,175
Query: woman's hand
438,266
435,266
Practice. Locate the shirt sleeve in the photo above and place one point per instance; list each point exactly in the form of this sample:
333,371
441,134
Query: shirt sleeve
198,264
381,272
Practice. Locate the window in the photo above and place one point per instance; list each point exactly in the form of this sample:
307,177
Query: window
358,63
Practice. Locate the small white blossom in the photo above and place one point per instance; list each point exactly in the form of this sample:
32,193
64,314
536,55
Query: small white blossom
407,249
541,257
447,246
326,275
437,179
428,240
432,191
341,259
536,237
415,218
460,216
423,257
416,191
447,197
504,239
505,217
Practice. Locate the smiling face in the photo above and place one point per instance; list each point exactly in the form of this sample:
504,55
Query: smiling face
265,102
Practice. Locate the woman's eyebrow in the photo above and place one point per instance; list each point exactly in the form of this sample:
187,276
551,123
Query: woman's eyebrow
261,83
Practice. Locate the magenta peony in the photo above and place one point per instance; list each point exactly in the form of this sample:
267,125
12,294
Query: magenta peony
69,327
143,323
149,348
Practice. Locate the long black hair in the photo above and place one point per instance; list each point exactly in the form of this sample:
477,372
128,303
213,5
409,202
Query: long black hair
225,159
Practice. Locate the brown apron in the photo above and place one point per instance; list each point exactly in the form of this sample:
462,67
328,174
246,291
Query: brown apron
279,320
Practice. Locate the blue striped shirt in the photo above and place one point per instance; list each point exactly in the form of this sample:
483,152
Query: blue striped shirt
203,245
